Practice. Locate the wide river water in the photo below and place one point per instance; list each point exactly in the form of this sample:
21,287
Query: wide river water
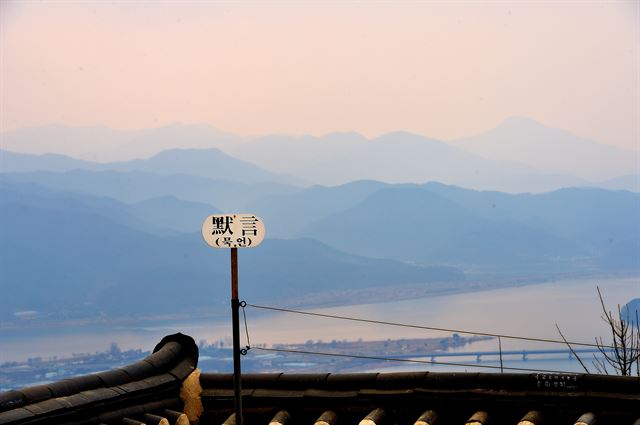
530,311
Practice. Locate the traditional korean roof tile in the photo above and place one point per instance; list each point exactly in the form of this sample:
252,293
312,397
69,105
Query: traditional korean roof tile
149,387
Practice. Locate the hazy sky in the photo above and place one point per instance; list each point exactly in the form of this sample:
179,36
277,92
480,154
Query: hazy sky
442,69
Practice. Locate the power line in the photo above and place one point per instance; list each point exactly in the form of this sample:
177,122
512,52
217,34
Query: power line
431,328
379,358
394,359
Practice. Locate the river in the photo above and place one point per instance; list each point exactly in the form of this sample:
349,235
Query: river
530,311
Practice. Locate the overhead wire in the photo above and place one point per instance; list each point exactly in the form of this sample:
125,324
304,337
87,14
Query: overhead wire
395,359
432,328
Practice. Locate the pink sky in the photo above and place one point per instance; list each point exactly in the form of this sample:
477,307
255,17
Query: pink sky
442,69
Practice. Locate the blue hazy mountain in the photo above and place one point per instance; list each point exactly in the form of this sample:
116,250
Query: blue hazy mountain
288,214
103,144
66,254
29,195
623,254
162,215
421,226
169,212
631,311
550,150
520,155
396,157
18,162
209,163
136,186
568,228
588,216
630,182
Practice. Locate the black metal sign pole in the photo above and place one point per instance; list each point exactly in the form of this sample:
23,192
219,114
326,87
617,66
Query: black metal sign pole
235,316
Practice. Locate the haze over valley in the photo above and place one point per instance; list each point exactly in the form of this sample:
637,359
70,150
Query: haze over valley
519,155
101,228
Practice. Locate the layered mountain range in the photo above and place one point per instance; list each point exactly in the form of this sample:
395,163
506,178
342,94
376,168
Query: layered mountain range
519,155
85,228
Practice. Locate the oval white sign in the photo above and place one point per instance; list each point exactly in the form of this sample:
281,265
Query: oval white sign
233,230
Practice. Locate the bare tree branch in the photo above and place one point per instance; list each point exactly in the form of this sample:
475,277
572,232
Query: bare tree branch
571,349
624,351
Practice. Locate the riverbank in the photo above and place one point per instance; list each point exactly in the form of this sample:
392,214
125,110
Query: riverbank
525,309
324,299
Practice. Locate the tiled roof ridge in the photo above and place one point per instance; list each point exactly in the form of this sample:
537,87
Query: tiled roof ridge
569,382
151,383
405,395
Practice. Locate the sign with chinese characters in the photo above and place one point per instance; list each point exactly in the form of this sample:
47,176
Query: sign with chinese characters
233,230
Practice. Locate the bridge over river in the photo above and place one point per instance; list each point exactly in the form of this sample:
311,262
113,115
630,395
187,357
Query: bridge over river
524,354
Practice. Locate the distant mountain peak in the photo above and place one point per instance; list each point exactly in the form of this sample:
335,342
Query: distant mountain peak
520,119
177,152
399,133
404,136
343,134
523,124
550,150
